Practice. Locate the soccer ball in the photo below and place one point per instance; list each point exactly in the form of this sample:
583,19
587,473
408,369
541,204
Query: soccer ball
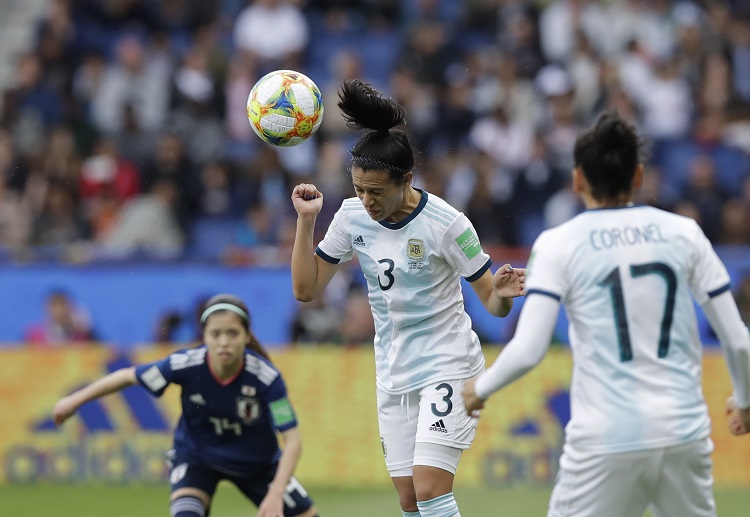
285,108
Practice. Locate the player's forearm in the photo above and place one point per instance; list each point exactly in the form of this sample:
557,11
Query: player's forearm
726,321
111,383
304,265
527,348
288,461
498,305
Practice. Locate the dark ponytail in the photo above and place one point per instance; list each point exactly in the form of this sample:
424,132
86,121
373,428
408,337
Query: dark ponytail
230,303
386,145
608,154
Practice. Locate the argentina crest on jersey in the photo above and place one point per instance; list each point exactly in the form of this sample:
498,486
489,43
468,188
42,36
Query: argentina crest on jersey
415,251
248,409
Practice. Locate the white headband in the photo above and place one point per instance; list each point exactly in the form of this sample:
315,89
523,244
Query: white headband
224,307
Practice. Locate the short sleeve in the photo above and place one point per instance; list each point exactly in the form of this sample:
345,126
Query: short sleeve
708,275
155,376
336,246
463,251
279,406
544,272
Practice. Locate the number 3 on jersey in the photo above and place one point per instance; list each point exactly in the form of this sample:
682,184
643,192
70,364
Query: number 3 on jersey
614,282
385,275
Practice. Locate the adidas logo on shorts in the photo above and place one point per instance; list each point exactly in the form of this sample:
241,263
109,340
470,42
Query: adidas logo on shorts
439,426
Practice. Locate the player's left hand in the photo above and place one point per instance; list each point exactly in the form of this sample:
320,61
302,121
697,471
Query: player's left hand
471,401
509,282
738,419
272,505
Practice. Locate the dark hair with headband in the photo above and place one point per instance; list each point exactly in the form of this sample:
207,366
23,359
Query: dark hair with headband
229,303
384,146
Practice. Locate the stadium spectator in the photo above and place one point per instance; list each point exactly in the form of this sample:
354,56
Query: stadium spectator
137,80
234,402
14,218
418,356
170,162
273,33
60,222
149,224
64,324
107,180
703,191
627,339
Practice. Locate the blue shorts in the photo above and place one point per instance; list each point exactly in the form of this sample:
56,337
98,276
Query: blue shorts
187,472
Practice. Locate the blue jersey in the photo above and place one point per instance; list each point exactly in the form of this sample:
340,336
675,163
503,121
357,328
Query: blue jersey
231,425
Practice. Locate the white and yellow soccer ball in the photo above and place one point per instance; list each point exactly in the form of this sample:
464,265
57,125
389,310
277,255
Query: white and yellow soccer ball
285,108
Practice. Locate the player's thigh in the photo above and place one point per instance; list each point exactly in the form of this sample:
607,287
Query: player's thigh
685,485
615,485
186,475
442,416
397,420
296,498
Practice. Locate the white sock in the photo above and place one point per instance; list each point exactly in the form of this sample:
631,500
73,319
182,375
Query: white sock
441,506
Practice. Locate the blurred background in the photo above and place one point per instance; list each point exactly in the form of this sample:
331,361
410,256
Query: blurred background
132,187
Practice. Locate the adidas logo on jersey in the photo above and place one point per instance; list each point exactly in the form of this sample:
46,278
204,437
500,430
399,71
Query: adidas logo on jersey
198,399
439,426
359,241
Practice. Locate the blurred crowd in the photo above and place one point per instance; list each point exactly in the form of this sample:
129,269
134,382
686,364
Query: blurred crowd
124,133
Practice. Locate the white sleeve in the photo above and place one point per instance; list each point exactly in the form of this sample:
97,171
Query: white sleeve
708,275
336,246
527,348
724,317
463,251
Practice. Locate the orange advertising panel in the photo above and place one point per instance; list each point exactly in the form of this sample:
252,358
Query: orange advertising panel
123,437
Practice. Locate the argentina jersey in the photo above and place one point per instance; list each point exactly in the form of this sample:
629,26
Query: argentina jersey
231,425
413,270
627,278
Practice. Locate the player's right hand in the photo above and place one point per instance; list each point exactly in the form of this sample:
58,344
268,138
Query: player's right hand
307,199
472,402
738,419
64,409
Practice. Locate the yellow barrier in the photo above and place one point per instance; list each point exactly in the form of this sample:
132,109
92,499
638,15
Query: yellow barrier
333,391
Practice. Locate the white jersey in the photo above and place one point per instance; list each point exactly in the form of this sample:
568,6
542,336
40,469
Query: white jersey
413,269
625,277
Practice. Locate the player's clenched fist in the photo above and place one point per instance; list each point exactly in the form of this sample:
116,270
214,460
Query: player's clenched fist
307,199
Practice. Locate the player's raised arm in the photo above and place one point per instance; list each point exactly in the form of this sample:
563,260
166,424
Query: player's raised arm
115,381
310,274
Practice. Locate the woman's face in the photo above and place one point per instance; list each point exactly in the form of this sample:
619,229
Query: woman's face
380,196
225,336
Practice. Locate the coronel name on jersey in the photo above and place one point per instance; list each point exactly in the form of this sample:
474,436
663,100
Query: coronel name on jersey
606,238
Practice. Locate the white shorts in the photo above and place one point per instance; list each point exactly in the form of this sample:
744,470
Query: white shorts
424,427
671,481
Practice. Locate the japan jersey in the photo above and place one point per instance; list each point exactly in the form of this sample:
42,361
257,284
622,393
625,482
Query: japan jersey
413,270
625,277
230,425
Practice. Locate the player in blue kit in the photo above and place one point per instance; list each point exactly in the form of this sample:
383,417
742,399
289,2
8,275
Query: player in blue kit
413,248
234,401
627,275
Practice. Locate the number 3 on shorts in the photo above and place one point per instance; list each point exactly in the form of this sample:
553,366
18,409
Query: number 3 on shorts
446,399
